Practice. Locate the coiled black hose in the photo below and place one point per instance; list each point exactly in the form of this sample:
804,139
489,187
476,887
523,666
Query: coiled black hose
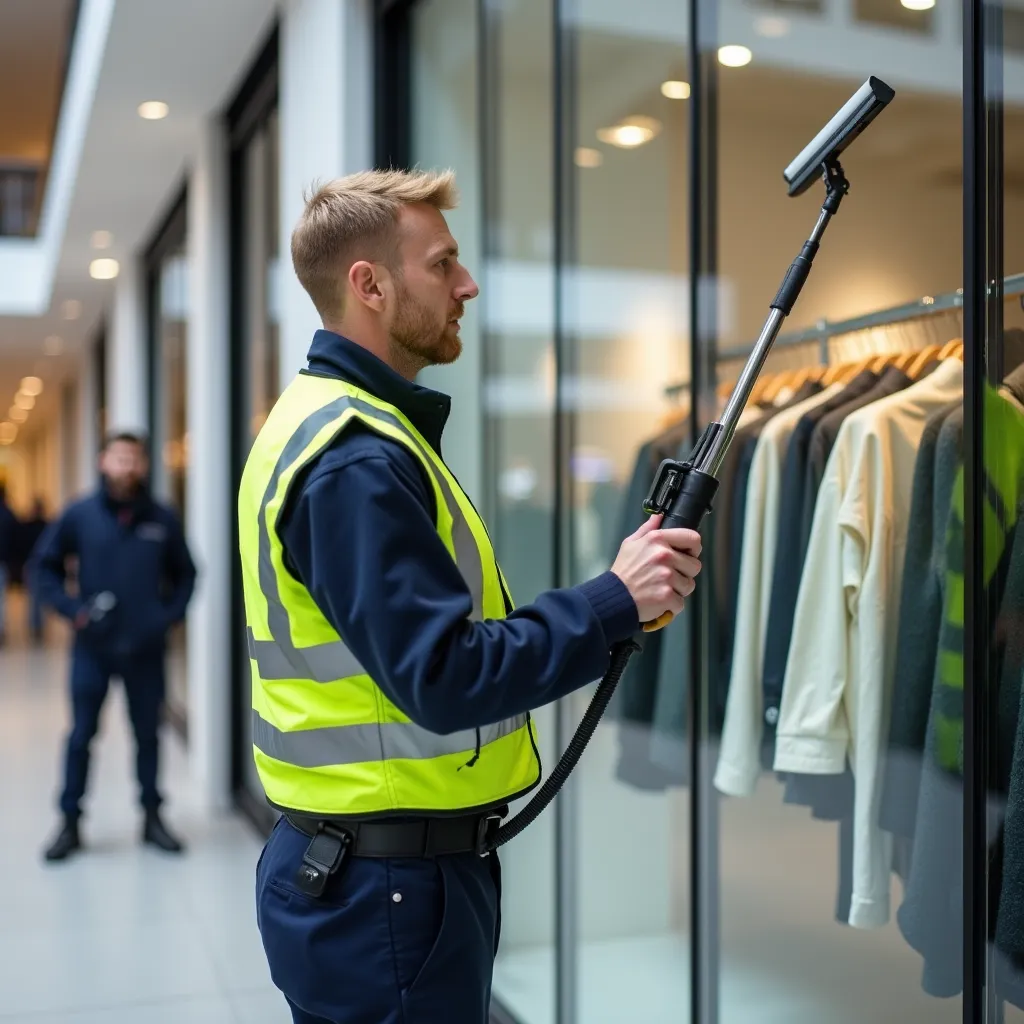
621,654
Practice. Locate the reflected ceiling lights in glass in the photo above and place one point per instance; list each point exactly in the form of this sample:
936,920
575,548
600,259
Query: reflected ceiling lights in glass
587,157
8,433
675,90
17,415
31,385
771,26
631,132
732,56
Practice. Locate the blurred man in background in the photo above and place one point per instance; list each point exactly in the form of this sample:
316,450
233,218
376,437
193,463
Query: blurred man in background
29,533
135,579
8,539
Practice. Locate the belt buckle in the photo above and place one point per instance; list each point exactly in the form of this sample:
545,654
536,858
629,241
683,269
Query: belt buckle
485,833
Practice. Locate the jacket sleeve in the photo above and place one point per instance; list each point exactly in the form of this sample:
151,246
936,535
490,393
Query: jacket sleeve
180,571
48,570
361,538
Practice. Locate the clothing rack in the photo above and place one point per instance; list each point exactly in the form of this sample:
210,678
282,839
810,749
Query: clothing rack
824,330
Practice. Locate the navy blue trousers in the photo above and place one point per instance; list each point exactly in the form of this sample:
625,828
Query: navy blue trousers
144,686
402,941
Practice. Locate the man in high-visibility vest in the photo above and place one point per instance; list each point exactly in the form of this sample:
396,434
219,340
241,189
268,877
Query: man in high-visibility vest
392,678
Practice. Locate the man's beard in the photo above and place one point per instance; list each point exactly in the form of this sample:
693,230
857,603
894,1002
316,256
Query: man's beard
416,332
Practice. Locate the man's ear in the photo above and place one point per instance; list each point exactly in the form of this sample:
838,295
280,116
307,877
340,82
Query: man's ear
370,283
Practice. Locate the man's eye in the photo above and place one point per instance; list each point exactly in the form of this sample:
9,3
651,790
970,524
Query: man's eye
446,262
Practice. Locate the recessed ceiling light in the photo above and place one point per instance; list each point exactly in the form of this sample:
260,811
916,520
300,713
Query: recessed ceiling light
771,26
23,401
153,110
102,239
8,433
71,310
31,386
104,269
17,415
53,345
918,5
675,90
632,132
587,157
734,56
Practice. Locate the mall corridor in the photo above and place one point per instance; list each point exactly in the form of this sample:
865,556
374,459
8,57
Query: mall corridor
119,934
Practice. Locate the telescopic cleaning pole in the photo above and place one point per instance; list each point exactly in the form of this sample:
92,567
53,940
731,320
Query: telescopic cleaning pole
683,491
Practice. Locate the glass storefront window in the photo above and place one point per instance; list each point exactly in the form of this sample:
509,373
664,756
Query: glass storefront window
168,413
501,435
258,161
853,652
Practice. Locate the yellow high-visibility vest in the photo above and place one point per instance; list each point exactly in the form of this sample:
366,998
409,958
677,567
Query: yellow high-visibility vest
326,739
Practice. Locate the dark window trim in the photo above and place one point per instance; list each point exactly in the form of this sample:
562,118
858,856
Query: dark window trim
392,83
248,111
170,234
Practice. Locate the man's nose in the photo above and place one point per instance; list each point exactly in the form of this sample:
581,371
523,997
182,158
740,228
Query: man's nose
467,289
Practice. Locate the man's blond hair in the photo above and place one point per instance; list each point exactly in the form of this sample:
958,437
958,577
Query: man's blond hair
353,218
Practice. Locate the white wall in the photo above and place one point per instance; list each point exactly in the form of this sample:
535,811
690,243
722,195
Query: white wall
210,501
326,131
127,393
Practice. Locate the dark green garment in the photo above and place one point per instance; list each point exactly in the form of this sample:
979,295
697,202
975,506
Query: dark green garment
931,916
920,615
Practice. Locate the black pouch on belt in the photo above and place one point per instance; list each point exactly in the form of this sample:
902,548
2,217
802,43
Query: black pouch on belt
324,857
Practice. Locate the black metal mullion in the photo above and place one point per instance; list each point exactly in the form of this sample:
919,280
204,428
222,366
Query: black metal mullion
704,823
975,877
564,255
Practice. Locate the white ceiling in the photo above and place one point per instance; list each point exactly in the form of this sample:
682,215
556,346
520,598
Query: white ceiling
191,54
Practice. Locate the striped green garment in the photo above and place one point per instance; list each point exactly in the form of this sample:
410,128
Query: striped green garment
1002,482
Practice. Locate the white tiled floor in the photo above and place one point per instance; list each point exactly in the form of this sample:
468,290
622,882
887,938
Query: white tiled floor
118,933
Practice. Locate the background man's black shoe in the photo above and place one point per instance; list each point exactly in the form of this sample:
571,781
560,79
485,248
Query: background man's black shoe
65,844
156,834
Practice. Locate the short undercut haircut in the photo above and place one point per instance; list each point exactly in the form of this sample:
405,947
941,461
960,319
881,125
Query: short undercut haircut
353,218
126,437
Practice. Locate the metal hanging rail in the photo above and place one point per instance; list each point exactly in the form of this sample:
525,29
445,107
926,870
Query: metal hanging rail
824,330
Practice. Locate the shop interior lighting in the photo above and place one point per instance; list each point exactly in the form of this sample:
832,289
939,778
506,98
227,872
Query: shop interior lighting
153,110
632,132
918,5
31,386
102,239
23,401
17,415
587,157
71,310
675,90
733,56
104,269
8,433
53,345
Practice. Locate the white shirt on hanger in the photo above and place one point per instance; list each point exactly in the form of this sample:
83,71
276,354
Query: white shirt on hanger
838,685
739,760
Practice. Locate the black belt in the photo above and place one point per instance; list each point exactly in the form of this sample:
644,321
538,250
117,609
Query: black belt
425,837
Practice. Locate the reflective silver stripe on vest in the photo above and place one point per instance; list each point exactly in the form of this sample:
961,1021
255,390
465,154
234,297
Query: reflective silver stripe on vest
323,663
327,662
359,744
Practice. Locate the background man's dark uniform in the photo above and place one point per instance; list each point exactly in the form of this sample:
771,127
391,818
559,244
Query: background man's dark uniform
135,550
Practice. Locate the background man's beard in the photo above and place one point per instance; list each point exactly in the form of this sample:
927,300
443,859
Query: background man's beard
415,331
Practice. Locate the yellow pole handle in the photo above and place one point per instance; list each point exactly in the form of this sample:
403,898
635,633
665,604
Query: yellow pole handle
659,623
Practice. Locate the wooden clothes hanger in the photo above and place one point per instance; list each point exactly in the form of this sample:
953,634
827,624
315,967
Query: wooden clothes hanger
921,360
952,350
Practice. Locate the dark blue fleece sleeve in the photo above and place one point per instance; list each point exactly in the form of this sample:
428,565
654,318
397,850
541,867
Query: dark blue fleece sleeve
179,569
47,566
360,535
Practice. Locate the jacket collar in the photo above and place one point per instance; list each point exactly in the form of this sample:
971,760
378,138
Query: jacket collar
331,355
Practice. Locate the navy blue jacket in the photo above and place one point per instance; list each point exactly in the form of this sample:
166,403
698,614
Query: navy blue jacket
359,532
137,551
8,533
